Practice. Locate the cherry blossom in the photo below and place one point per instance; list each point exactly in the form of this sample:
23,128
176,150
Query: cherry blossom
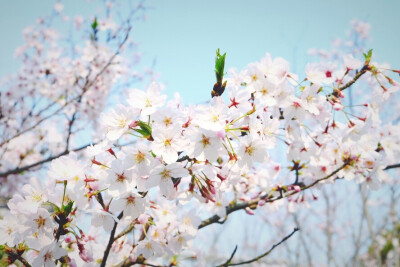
48,254
158,172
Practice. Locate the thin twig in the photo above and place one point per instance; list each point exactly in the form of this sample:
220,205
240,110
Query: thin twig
230,258
40,121
364,69
267,252
88,84
70,124
126,230
25,168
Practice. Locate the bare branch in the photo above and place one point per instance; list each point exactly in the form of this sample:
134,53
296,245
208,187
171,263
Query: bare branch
128,263
264,254
25,168
99,199
110,242
41,120
70,124
392,166
230,258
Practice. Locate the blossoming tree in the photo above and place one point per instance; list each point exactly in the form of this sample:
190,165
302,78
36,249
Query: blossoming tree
64,79
184,167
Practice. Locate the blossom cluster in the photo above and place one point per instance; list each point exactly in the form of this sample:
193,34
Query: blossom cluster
62,80
183,163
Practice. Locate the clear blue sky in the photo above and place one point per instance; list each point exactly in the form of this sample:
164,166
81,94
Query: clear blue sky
182,35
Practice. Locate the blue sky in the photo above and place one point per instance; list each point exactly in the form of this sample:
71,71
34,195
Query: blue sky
182,35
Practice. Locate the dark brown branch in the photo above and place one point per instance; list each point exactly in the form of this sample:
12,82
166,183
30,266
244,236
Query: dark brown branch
62,220
266,197
110,242
14,255
24,262
127,263
229,209
25,168
42,120
266,253
70,124
392,166
363,70
99,199
230,258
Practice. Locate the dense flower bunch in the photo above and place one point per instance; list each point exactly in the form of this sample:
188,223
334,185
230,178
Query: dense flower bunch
186,163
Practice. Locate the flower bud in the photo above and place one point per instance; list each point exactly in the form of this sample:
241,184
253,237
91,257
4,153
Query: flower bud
249,211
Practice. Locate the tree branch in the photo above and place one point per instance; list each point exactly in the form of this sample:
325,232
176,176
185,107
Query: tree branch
14,255
262,255
230,258
266,197
42,120
140,259
128,263
363,70
392,166
99,199
71,122
85,88
25,168
110,242
126,230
